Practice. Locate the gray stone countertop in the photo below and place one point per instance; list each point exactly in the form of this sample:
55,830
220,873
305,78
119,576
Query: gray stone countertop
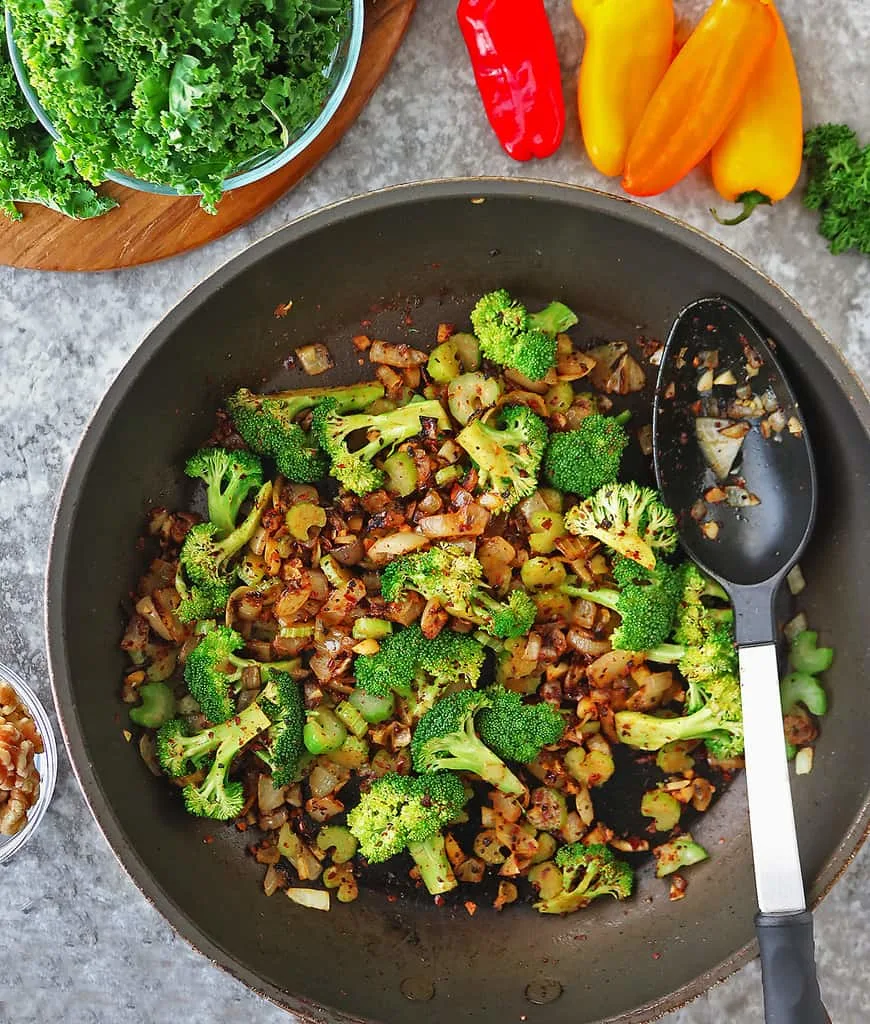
85,946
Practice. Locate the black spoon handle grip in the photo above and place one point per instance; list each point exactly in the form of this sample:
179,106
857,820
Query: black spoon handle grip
788,969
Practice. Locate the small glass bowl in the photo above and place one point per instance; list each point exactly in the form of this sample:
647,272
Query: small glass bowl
340,72
46,763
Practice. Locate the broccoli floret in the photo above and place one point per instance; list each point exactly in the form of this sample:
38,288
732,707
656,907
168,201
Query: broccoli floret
229,478
199,603
718,720
446,574
267,423
582,460
587,873
213,666
445,738
838,186
507,456
418,668
205,558
517,731
400,812
284,747
512,337
704,645
178,752
646,605
356,470
627,518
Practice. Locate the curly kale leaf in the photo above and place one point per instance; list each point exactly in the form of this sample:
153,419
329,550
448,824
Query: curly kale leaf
30,171
184,94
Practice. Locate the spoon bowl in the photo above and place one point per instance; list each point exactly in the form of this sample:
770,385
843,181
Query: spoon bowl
755,544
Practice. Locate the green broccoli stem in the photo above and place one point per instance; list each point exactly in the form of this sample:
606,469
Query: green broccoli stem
797,688
623,417
292,665
469,754
247,725
605,596
647,732
807,656
430,856
667,654
553,319
157,707
248,526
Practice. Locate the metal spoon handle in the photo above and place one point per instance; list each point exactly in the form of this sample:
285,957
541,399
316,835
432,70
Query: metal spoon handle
784,926
788,969
778,877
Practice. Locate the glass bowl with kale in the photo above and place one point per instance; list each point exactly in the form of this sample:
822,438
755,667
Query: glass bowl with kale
184,99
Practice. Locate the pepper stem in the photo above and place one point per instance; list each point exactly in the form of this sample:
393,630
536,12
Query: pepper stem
750,201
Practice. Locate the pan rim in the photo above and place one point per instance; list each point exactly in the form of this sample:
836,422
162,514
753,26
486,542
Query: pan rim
643,217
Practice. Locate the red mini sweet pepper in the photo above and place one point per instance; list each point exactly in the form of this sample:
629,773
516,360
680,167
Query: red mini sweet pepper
516,66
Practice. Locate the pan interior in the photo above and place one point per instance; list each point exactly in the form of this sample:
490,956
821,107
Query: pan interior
394,266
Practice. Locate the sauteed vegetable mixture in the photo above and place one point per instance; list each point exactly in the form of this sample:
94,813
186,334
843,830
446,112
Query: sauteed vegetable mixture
427,623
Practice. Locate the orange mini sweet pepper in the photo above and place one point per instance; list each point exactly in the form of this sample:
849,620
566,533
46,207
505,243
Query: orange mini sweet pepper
757,161
628,49
699,94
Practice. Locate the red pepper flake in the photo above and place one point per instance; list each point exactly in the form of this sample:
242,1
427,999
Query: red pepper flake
361,342
208,840
242,826
439,901
392,898
471,907
656,956
282,309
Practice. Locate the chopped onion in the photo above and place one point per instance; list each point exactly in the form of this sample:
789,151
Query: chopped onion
794,426
769,400
698,510
803,762
710,530
706,382
739,497
606,357
709,358
272,881
386,548
717,443
714,495
315,899
725,379
656,358
744,391
396,355
315,359
645,439
777,421
796,625
795,580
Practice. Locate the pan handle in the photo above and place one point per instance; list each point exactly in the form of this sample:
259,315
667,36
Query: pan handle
788,969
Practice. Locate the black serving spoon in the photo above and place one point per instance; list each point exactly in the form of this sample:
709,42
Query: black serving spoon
748,544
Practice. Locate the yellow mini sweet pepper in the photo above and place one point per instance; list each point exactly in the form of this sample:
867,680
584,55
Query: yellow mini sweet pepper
757,161
628,49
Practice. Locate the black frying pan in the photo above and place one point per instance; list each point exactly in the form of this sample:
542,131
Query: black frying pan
422,253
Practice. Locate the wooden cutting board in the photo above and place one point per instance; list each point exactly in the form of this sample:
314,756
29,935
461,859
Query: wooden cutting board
144,227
